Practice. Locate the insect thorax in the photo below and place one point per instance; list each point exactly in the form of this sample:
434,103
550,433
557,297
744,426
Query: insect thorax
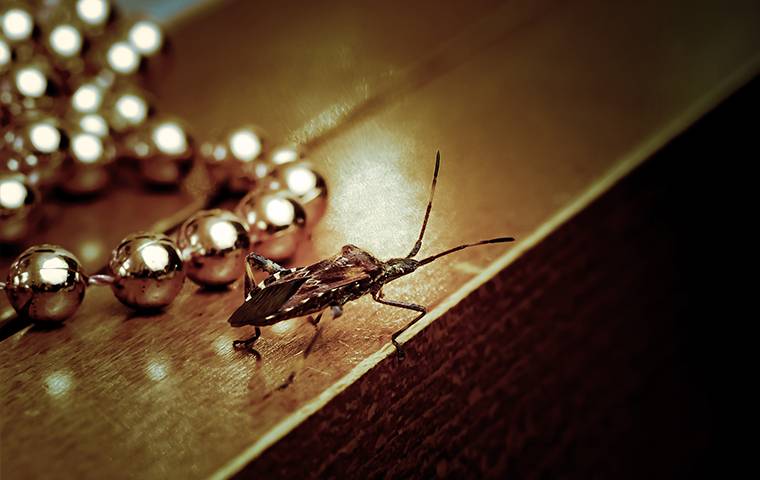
397,267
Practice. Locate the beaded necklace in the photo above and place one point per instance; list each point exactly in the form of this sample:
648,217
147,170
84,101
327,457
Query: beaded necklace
71,105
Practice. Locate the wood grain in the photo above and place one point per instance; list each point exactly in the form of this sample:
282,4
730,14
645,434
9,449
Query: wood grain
577,361
530,103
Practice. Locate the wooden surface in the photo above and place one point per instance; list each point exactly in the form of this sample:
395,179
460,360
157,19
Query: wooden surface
593,355
536,108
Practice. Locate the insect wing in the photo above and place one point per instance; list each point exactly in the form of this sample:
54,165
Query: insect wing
265,301
326,281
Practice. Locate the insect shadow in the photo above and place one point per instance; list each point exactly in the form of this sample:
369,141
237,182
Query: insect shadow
330,283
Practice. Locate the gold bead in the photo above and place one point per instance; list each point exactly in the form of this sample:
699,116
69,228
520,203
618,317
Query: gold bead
118,56
6,56
127,107
46,284
31,85
19,207
87,96
17,22
94,15
17,29
93,123
147,270
163,149
306,185
64,41
287,153
238,160
214,244
86,172
275,223
145,36
38,145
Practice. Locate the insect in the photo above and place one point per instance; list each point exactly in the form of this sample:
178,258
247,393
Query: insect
330,283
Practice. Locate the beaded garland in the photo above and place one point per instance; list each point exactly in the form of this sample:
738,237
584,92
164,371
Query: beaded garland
72,104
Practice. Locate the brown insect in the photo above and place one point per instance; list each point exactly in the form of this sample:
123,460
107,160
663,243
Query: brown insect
330,283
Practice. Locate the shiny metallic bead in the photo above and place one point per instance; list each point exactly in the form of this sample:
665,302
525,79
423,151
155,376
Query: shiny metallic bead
306,185
214,244
127,107
147,270
275,223
94,15
16,22
6,56
39,145
163,149
87,96
238,160
31,85
287,153
64,41
145,36
87,170
46,284
19,207
93,123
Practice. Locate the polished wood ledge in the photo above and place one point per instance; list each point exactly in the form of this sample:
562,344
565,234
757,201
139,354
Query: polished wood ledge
538,109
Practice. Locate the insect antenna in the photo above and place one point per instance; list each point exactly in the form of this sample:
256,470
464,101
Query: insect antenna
418,245
462,247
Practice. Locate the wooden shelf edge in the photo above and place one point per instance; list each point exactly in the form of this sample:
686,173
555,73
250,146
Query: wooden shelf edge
645,150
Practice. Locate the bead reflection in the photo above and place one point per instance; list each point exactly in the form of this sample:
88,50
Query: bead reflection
156,257
12,193
19,207
300,180
146,37
31,82
94,123
285,154
65,40
46,284
45,137
87,171
131,108
17,24
5,54
123,58
87,147
308,186
245,144
148,271
279,211
275,223
224,234
87,98
170,138
58,383
54,271
93,12
214,244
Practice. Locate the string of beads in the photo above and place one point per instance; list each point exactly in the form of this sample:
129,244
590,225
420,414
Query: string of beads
73,110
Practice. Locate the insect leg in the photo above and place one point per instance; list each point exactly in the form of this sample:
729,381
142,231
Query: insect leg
256,263
247,343
378,296
315,323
